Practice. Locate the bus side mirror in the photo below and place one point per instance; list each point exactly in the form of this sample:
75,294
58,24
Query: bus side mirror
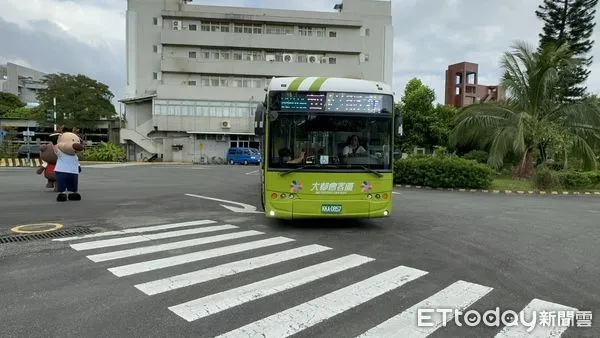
259,120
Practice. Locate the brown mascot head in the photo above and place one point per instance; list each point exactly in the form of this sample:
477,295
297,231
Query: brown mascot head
69,142
47,153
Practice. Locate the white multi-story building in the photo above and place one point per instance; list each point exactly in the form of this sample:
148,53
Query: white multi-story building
196,73
23,82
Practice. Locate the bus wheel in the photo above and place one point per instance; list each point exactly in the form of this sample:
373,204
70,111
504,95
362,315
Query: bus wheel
230,161
262,198
245,162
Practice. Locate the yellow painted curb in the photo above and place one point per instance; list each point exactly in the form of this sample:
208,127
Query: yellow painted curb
20,162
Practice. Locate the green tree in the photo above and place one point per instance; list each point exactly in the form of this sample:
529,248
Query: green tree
80,100
532,120
8,103
572,22
424,124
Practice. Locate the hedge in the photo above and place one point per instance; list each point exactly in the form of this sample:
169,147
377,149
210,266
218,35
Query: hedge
546,178
105,151
443,172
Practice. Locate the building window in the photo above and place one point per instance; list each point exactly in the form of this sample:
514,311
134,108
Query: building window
192,27
368,31
155,21
192,55
332,61
191,83
214,27
155,76
302,59
155,48
332,34
280,30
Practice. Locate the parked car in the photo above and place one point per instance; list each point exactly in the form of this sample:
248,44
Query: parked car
34,151
241,155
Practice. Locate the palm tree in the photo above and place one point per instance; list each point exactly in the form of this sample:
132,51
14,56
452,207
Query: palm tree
533,117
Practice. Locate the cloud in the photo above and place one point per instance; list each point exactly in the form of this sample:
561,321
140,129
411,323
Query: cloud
88,36
39,47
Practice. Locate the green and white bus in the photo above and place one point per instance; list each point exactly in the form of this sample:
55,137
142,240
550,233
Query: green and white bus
327,146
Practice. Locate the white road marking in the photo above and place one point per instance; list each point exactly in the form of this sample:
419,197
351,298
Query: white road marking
252,172
303,316
138,230
396,193
459,296
228,269
170,246
554,329
131,269
144,238
218,302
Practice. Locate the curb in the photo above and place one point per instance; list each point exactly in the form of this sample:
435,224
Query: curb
506,192
20,162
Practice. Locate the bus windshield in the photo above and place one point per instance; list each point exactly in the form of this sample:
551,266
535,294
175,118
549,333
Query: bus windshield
330,141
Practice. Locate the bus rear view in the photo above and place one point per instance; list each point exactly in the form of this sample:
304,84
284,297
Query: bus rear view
327,147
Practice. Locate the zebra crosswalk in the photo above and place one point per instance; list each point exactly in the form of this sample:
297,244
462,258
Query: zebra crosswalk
113,246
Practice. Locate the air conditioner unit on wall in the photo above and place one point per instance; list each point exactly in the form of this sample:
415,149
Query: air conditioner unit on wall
288,58
226,124
314,59
177,25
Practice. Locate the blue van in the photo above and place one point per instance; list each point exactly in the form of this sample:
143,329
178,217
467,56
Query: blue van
243,156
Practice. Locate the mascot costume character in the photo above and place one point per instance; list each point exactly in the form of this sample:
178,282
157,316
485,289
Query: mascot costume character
49,158
67,166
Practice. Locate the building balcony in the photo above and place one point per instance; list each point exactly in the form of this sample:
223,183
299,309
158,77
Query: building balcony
183,92
342,68
342,44
211,125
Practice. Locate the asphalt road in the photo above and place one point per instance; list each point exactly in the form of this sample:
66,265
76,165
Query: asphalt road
439,249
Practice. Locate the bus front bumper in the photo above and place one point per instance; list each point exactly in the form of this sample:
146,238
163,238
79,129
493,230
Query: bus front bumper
297,209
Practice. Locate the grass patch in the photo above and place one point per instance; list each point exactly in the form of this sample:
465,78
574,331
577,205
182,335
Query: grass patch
507,183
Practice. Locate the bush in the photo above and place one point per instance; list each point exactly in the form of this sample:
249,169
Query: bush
108,152
593,176
439,172
574,179
477,155
545,178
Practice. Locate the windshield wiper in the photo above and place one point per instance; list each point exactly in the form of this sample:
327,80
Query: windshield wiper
372,171
291,170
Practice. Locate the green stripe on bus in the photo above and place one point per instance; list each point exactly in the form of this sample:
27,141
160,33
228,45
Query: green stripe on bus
316,85
296,83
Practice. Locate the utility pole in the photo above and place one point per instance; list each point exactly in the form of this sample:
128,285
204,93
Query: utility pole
54,102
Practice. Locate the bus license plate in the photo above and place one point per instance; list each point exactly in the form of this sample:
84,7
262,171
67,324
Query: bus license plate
331,209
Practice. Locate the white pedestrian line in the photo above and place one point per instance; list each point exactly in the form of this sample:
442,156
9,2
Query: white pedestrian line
457,296
228,269
551,330
138,230
144,238
218,302
303,316
110,165
161,263
170,246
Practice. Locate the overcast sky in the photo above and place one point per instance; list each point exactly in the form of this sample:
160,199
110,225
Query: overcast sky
88,36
